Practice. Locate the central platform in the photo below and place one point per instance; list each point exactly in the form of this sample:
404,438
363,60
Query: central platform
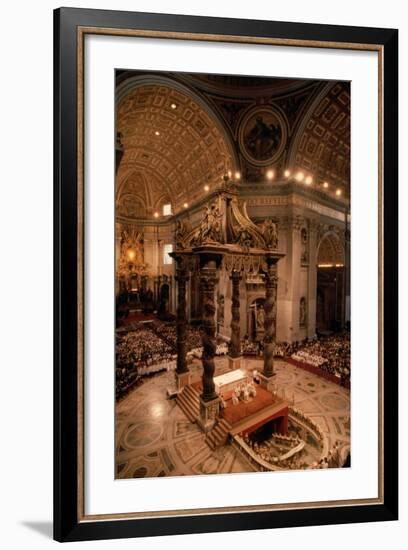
247,417
225,383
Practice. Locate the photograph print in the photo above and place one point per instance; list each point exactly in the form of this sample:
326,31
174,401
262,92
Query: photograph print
232,282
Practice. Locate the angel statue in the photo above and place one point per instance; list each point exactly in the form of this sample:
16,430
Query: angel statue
211,228
270,233
245,238
180,234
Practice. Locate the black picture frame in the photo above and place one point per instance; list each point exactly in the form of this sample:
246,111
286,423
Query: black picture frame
67,523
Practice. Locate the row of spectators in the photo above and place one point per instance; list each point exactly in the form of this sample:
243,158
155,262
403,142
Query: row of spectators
140,352
250,348
330,354
149,344
142,349
168,333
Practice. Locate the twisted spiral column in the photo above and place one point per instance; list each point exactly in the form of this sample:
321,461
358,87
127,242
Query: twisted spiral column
208,279
181,323
271,281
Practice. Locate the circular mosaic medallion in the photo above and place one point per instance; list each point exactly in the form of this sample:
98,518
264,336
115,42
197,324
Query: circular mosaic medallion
262,135
332,401
143,433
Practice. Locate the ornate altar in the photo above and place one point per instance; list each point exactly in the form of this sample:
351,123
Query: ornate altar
131,268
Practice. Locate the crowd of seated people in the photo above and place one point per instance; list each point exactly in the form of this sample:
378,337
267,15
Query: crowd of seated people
193,338
284,349
330,354
248,347
309,358
146,348
139,352
127,377
168,332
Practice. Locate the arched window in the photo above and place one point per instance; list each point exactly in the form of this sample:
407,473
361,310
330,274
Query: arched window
167,248
167,211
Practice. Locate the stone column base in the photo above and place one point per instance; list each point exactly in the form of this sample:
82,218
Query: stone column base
234,362
209,411
267,382
182,379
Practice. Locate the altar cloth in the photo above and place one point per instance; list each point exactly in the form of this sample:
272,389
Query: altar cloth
227,382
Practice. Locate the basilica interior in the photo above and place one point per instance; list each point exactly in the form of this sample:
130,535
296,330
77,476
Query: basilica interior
232,282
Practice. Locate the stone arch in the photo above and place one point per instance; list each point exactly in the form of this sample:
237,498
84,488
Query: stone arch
330,250
330,290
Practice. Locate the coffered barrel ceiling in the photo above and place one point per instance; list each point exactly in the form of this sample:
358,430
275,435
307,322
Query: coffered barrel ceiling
180,133
322,144
173,148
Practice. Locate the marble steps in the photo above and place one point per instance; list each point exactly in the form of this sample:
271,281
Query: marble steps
189,402
218,435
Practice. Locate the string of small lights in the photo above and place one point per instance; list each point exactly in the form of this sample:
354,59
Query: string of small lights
298,176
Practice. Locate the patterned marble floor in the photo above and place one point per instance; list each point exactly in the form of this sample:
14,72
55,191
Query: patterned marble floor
154,438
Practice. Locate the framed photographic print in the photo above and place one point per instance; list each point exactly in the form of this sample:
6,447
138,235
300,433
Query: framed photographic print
225,274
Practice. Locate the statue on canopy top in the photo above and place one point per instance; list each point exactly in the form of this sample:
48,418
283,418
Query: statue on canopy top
245,238
180,234
211,226
270,233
